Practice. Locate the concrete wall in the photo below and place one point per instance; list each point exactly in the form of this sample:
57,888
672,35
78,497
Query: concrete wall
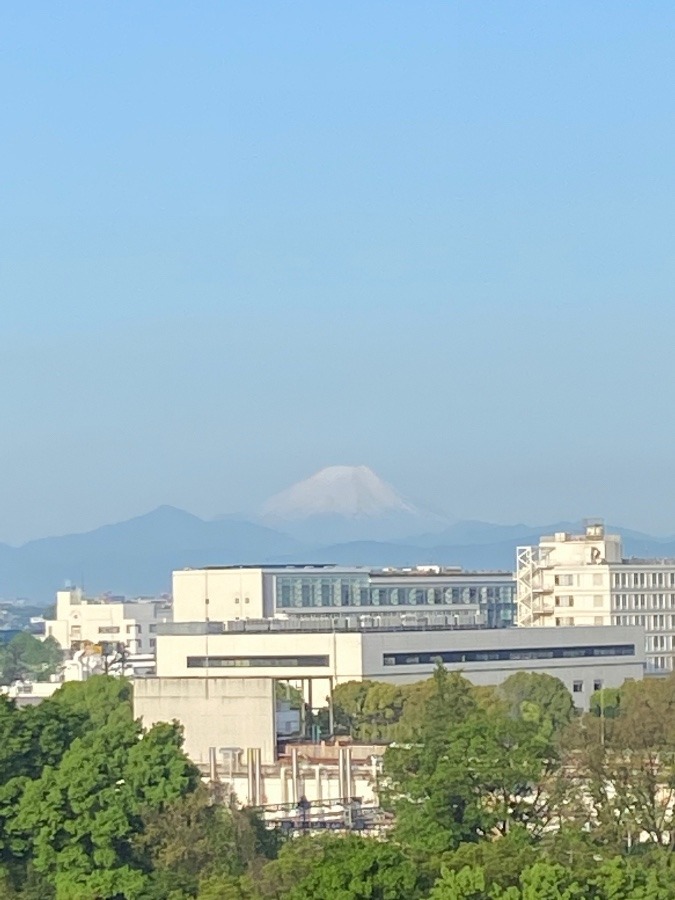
215,712
232,594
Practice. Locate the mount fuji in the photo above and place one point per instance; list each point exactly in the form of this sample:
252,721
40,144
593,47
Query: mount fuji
346,503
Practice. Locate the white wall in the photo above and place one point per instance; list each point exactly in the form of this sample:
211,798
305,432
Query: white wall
232,594
343,652
214,712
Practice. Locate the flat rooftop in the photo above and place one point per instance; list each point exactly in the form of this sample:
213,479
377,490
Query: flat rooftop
429,570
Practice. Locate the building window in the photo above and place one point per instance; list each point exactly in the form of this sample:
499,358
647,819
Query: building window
577,687
227,662
598,620
497,655
108,629
597,684
597,578
598,600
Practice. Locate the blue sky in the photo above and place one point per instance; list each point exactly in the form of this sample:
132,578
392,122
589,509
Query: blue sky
242,241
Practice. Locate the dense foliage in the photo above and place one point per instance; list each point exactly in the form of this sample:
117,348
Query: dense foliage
26,658
496,794
93,807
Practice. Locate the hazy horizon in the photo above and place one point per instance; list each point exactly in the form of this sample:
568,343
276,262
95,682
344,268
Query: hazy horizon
245,242
426,524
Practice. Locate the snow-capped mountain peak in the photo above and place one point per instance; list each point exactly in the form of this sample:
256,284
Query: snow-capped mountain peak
351,492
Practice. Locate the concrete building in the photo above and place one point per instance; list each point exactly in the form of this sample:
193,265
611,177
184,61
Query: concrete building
583,579
326,653
239,631
230,593
218,679
100,620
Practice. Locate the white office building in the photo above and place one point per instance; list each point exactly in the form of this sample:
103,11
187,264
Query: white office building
583,579
99,621
231,593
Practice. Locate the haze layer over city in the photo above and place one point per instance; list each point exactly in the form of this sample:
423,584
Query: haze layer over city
246,244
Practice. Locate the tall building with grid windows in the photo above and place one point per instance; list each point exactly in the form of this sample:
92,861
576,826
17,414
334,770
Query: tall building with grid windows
583,579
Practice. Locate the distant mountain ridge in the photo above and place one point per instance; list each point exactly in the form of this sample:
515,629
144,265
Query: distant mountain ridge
136,557
339,503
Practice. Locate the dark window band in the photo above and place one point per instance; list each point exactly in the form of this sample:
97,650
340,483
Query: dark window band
227,662
468,656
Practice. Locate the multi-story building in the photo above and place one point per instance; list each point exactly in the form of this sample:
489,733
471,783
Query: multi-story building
218,678
102,620
238,631
570,579
224,593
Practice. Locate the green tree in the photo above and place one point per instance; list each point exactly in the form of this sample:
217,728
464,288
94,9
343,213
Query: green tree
196,844
466,884
538,697
467,775
624,768
502,861
78,821
101,699
25,658
348,706
345,868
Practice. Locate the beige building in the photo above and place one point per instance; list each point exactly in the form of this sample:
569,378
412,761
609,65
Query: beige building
81,619
583,579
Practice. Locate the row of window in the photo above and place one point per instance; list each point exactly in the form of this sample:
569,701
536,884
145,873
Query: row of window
416,659
644,601
227,662
659,622
467,656
115,629
578,686
644,579
130,644
568,580
568,600
307,592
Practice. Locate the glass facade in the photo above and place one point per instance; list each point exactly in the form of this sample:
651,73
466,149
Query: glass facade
319,591
347,591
